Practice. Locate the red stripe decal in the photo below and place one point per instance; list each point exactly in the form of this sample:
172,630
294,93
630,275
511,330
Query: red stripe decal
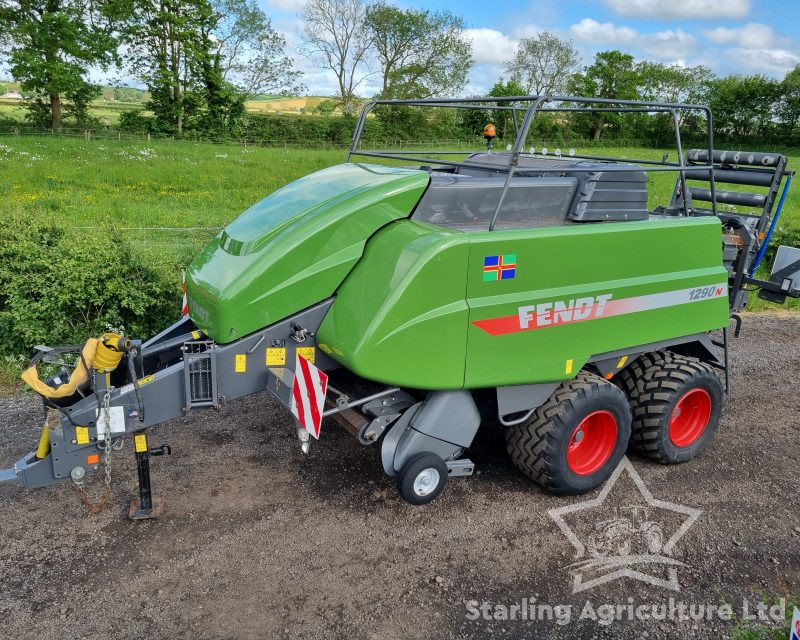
499,326
298,403
558,312
312,396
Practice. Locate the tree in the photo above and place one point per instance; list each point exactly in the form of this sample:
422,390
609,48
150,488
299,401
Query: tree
325,108
671,83
789,105
335,37
252,54
743,106
505,121
224,105
543,64
166,52
422,54
612,75
53,43
201,60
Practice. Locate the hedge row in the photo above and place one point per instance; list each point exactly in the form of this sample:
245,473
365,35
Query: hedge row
404,124
61,286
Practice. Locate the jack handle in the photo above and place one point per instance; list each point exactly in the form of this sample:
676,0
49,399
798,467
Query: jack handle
738,324
160,451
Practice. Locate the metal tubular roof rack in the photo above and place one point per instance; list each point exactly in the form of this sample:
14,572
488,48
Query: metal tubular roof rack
557,104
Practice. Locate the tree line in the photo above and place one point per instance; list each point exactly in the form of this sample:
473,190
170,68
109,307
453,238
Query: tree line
201,60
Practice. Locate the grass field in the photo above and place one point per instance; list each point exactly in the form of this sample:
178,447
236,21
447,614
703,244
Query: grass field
108,112
172,197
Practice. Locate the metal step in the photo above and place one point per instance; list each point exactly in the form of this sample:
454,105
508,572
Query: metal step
200,374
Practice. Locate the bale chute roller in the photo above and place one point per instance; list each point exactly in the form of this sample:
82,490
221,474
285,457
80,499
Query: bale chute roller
414,303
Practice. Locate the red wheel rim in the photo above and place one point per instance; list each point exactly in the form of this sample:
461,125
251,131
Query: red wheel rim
690,417
592,443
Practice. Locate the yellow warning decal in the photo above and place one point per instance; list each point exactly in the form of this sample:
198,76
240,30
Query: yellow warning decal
622,362
82,435
196,335
568,366
276,356
146,379
241,362
140,443
307,352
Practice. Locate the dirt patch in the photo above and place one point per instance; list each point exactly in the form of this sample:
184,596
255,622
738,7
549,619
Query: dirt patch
259,541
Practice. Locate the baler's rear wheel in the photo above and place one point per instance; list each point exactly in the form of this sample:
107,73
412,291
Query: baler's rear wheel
574,441
676,404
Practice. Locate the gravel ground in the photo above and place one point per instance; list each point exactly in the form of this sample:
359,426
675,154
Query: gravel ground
259,541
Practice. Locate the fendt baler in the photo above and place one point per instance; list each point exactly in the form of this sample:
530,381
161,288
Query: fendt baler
414,304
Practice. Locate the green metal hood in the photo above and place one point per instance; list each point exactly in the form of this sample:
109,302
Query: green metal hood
293,248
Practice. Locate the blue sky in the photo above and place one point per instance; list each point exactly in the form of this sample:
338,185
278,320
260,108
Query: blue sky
729,36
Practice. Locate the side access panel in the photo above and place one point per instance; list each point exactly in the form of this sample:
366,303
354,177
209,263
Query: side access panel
400,316
579,290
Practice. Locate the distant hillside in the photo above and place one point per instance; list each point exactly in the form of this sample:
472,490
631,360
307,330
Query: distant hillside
307,105
124,94
8,85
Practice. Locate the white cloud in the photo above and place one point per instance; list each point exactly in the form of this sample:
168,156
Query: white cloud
668,44
588,30
490,46
666,9
757,48
526,31
286,5
770,61
753,35
663,45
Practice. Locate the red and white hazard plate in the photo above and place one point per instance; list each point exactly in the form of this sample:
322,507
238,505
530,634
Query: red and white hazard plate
308,395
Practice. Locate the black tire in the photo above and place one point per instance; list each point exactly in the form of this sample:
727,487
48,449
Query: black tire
655,385
631,378
415,467
539,446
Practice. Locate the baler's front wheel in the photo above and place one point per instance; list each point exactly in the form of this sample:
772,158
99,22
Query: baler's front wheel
676,404
574,441
422,478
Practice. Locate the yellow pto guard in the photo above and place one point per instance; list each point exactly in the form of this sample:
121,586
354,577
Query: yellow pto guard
101,353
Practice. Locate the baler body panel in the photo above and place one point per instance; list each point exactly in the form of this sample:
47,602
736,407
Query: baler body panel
641,265
401,315
418,310
294,247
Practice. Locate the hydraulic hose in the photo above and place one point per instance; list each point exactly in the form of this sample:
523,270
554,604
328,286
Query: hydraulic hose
777,215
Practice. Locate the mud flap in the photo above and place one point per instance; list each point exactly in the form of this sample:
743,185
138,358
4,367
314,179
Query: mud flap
444,424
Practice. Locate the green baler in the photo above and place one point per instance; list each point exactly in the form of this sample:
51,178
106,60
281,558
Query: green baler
414,304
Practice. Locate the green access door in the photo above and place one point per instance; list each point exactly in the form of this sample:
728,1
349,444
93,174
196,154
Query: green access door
542,301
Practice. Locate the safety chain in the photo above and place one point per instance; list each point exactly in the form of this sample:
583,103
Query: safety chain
80,489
